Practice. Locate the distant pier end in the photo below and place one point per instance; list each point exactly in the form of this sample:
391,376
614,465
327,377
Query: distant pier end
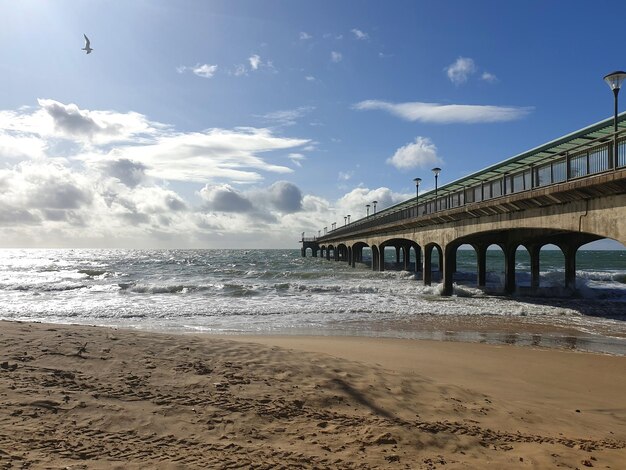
309,243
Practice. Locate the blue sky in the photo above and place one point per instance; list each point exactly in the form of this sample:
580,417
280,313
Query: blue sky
243,123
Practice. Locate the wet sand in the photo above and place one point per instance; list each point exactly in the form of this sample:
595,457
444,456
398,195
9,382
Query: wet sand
90,397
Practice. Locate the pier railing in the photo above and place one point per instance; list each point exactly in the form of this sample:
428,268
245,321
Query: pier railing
589,152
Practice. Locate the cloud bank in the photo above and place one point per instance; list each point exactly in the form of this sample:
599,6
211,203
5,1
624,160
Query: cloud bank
75,177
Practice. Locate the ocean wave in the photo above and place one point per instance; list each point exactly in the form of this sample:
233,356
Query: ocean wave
92,272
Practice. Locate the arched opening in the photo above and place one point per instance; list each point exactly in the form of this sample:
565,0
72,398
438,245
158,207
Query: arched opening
433,261
494,268
601,271
523,276
466,272
367,256
551,267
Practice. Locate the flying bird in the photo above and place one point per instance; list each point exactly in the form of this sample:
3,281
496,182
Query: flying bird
87,47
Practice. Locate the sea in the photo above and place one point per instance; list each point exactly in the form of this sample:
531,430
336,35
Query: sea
280,292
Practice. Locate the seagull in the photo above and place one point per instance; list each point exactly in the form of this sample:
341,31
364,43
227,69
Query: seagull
87,48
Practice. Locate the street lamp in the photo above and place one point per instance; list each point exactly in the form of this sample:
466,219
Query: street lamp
614,80
436,171
348,218
374,202
417,195
367,207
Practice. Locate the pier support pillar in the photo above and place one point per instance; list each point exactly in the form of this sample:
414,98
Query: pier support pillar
418,259
428,274
375,258
569,252
381,259
509,268
448,269
397,255
406,250
481,258
534,252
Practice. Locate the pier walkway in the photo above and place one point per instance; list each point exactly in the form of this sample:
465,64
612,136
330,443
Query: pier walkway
567,192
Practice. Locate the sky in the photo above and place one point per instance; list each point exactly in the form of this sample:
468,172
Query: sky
243,123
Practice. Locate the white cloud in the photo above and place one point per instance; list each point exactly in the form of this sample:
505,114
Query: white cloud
210,155
239,70
446,113
336,56
296,158
421,153
287,117
345,175
309,78
255,61
489,77
354,202
358,34
101,178
305,36
460,70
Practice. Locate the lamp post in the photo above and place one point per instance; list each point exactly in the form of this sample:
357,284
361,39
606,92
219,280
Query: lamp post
417,196
345,220
436,171
614,80
374,202
348,218
325,230
367,207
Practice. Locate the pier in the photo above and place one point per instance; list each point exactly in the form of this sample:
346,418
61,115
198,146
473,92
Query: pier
567,193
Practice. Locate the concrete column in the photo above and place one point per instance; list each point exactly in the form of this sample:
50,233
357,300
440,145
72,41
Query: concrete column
327,254
509,269
303,252
397,255
418,258
374,258
406,249
570,266
448,269
314,253
481,258
534,252
381,259
428,274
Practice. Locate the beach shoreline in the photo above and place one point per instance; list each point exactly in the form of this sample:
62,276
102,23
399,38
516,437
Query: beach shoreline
92,397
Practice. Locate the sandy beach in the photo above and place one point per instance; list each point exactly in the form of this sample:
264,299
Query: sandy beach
83,397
